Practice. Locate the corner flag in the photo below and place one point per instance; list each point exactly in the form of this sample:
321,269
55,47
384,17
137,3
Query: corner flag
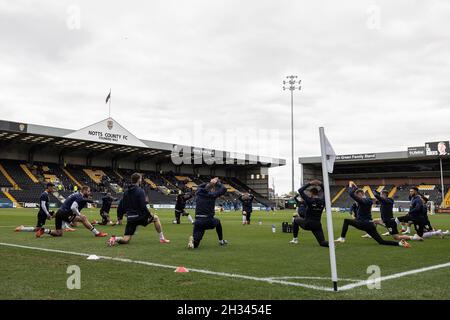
108,96
331,155
328,158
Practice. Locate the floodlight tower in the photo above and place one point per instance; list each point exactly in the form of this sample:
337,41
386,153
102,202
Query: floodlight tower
292,83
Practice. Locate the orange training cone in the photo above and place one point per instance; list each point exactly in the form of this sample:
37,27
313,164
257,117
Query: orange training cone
181,270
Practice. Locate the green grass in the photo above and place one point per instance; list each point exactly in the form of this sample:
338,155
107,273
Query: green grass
253,250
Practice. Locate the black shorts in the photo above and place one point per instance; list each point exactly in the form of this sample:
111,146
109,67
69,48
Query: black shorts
391,226
132,225
62,216
202,224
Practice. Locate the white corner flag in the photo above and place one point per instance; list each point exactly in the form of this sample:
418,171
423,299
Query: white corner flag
331,155
328,158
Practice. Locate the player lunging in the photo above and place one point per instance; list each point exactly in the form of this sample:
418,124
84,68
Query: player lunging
134,205
70,212
207,193
314,208
387,216
363,220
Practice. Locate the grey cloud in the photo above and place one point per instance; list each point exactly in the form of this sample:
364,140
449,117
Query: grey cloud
171,63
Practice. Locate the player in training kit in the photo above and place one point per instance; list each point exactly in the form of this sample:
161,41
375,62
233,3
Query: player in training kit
415,214
363,220
314,208
107,201
180,207
44,213
70,212
207,193
247,207
134,205
387,216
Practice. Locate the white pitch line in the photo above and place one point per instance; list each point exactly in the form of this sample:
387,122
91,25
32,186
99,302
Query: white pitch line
222,274
240,276
314,278
393,276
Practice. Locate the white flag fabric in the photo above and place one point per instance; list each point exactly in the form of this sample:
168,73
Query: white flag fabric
331,155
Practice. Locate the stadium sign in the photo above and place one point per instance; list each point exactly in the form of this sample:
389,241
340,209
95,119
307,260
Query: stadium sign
30,205
107,131
416,151
440,148
361,156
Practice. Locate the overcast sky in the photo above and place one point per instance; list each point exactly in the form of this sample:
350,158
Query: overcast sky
375,74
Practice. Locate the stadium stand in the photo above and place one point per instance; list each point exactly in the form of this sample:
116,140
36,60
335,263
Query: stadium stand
161,187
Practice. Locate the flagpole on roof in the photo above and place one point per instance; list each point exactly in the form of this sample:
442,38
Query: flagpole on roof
109,102
327,166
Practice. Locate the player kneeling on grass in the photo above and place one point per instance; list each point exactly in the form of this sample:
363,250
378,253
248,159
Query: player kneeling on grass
207,193
44,213
314,208
70,212
247,207
363,220
387,216
134,205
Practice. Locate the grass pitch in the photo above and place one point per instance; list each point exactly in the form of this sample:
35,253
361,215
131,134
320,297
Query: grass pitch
257,264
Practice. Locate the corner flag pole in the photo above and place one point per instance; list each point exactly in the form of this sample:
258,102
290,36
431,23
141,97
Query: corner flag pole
326,185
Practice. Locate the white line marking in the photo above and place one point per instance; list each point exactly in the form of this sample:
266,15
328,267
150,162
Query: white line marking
240,276
393,276
314,278
223,274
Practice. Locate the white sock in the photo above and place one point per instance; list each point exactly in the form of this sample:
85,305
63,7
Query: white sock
431,233
118,239
190,219
161,236
47,231
28,229
244,219
65,225
397,221
95,231
408,229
